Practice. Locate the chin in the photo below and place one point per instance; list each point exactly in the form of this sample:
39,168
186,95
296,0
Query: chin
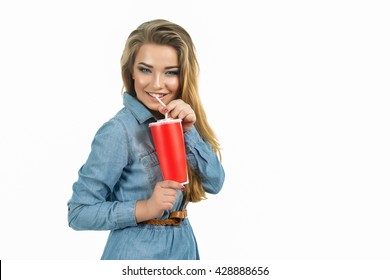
152,107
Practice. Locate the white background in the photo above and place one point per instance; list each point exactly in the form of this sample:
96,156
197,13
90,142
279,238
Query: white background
297,91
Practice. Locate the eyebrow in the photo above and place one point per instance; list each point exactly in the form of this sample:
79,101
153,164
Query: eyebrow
150,66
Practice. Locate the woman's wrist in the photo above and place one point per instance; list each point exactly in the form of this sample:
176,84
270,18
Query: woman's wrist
144,211
141,211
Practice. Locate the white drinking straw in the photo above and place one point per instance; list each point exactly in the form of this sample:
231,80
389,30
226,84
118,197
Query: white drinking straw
162,103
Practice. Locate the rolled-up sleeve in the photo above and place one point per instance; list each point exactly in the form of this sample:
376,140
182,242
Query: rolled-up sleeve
203,160
90,207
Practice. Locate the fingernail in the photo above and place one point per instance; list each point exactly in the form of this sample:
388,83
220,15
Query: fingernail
165,110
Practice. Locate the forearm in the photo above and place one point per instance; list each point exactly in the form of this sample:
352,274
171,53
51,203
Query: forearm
101,216
202,158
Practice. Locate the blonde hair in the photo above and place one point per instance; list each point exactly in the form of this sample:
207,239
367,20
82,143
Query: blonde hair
163,32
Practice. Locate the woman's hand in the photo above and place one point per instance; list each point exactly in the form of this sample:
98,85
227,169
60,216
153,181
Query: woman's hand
178,109
163,198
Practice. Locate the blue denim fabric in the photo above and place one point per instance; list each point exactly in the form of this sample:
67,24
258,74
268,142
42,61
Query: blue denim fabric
121,169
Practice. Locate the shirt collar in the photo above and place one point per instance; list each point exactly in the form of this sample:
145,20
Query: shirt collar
139,111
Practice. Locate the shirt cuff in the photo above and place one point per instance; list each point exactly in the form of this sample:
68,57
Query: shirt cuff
125,214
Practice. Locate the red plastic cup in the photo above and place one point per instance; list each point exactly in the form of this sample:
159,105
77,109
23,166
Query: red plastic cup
168,140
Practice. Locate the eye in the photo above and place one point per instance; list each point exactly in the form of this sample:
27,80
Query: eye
172,73
144,70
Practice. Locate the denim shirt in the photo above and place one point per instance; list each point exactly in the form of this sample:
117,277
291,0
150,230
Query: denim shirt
123,168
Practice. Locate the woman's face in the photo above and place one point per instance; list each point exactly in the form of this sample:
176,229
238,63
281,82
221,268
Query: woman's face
156,72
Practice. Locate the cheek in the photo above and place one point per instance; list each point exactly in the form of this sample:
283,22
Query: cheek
140,84
173,85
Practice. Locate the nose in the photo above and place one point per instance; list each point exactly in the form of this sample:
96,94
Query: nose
157,81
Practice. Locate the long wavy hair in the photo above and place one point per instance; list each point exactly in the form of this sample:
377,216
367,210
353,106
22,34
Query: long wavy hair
164,32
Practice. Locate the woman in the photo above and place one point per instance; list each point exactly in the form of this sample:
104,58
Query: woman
120,187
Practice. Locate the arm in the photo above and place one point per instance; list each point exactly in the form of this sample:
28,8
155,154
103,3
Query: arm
90,207
203,159
199,153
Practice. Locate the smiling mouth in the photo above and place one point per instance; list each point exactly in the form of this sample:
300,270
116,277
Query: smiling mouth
159,95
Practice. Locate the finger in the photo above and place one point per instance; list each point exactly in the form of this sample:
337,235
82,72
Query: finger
174,107
167,184
180,110
168,206
169,192
169,198
187,116
162,109
174,103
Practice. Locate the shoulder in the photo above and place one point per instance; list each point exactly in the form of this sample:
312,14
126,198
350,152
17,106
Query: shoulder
125,118
114,127
118,122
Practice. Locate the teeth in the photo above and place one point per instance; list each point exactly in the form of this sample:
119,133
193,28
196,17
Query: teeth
156,95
